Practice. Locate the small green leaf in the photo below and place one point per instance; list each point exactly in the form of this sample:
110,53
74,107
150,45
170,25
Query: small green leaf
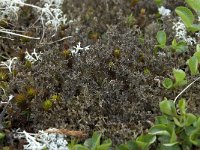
159,2
194,4
177,122
195,137
147,138
132,145
2,136
197,123
170,144
190,119
105,145
193,65
167,83
198,48
179,76
161,120
168,107
88,143
144,141
161,38
182,106
122,147
174,43
173,137
159,129
80,147
173,147
189,130
197,54
186,15
179,47
194,28
95,140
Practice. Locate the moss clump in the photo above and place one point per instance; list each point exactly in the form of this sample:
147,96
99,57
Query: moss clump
47,105
20,99
66,53
31,92
3,75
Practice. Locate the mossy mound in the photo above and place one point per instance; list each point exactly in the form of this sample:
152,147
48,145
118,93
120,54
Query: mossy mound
114,87
99,90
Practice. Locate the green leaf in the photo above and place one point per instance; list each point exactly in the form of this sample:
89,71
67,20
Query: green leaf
2,136
161,120
193,65
105,145
177,122
186,15
194,4
173,137
122,147
182,106
161,38
159,129
132,145
197,123
108,141
144,141
194,28
195,137
159,2
95,140
174,147
170,144
198,48
147,138
88,143
167,83
190,119
174,43
80,147
168,107
179,76
179,47
197,54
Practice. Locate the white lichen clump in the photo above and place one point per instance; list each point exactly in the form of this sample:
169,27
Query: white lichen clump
33,57
49,14
10,8
181,33
9,64
164,12
76,49
42,140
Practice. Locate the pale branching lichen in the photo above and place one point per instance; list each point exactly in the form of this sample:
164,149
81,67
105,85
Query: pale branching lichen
33,57
43,140
181,33
164,12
